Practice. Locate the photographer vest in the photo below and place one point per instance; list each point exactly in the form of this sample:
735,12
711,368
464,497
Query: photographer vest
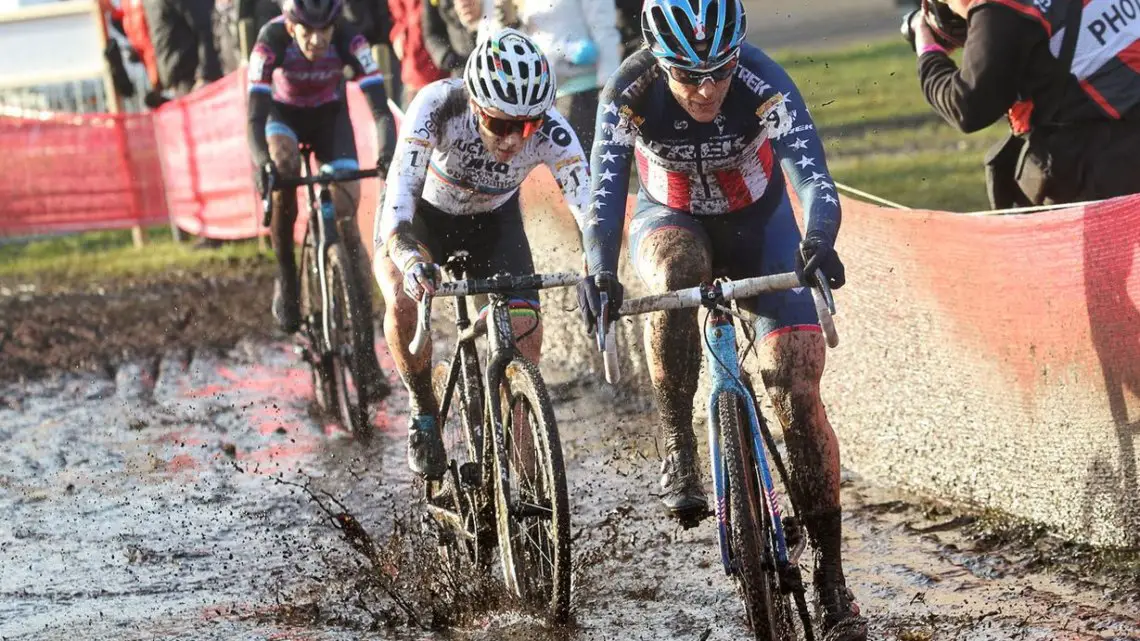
1106,62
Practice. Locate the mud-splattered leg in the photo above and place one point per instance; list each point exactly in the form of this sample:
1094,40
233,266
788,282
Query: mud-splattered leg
673,258
791,365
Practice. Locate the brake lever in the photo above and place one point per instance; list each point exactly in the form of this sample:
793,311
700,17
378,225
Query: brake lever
603,320
267,197
825,290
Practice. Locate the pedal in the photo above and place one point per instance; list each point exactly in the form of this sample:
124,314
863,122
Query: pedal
689,519
792,533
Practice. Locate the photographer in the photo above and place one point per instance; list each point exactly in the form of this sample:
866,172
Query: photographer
1070,94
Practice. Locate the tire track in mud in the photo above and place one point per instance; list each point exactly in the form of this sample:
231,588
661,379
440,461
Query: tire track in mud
147,506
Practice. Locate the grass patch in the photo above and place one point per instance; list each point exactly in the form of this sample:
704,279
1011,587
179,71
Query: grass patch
880,134
90,257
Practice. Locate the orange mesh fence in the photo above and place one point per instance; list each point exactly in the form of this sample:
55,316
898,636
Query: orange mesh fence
69,173
209,170
995,360
206,162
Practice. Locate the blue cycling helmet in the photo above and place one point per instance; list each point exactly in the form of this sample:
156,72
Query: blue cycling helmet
693,34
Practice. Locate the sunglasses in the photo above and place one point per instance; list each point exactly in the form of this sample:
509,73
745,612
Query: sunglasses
686,77
504,127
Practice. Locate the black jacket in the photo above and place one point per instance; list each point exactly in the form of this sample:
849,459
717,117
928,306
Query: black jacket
182,34
447,41
371,19
1006,57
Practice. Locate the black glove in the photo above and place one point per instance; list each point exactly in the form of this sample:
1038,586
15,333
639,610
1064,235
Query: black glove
383,163
590,303
817,251
154,99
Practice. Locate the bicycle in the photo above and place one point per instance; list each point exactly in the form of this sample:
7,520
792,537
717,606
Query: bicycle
760,547
329,339
504,488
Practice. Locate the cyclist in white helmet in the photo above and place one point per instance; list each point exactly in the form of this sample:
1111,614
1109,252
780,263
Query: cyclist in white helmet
464,147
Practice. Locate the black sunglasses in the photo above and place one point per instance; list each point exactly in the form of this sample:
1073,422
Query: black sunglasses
686,77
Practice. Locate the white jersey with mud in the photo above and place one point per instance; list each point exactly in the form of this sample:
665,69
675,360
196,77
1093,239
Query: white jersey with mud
441,158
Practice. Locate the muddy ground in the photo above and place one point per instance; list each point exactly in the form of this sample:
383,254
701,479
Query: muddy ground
151,435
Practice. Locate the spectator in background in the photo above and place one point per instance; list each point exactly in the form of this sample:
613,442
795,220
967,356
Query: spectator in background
581,39
449,29
1071,94
407,37
138,35
252,16
183,38
629,26
226,38
372,18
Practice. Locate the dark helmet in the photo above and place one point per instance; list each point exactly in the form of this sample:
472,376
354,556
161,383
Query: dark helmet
316,14
693,34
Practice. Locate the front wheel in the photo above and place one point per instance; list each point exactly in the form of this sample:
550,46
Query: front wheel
312,315
348,348
752,561
531,504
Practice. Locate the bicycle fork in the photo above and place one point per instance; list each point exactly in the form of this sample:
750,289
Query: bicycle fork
327,236
500,338
721,354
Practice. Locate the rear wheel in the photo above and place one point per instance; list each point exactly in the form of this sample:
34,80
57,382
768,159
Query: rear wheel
531,505
753,567
348,348
320,367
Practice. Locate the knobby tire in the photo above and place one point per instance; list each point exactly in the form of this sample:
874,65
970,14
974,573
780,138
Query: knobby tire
463,438
349,348
534,550
312,310
747,528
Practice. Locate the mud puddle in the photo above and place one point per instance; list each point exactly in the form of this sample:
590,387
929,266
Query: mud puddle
152,505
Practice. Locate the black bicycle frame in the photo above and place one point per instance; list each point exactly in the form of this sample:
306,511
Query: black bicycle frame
322,218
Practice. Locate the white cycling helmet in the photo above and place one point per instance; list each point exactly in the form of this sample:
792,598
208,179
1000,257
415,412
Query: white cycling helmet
508,72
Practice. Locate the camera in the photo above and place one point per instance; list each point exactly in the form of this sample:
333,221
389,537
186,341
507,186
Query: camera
949,28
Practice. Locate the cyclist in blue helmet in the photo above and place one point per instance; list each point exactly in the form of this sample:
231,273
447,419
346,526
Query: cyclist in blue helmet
716,128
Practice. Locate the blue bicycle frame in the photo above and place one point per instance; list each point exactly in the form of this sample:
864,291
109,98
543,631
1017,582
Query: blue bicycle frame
721,356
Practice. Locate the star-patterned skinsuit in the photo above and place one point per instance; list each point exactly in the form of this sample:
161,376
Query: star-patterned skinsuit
724,180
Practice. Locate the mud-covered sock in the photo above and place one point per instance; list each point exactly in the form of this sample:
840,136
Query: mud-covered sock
825,529
675,426
423,399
